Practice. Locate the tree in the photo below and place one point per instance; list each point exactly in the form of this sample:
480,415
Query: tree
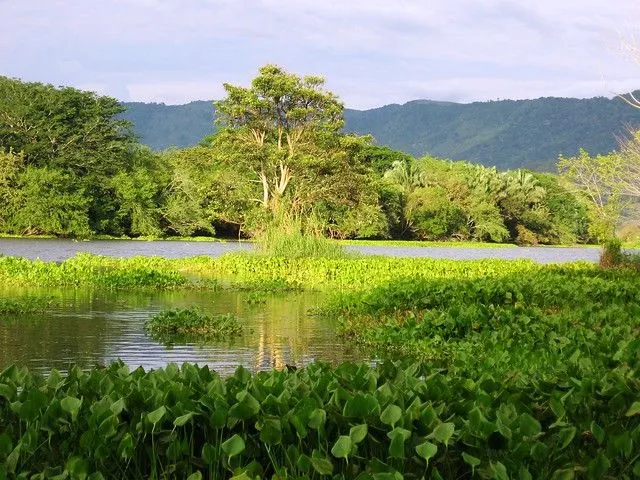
276,123
77,134
598,179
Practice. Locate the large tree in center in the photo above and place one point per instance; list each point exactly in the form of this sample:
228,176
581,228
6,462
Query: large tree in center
280,125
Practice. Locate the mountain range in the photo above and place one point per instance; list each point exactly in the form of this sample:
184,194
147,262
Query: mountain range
503,133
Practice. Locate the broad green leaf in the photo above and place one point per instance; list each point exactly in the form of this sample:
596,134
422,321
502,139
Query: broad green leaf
427,450
77,468
471,460
564,474
322,465
566,436
358,433
183,419
317,418
126,447
246,407
195,475
242,476
598,432
398,436
271,432
360,406
233,446
209,453
117,406
529,425
634,409
71,405
598,466
342,447
155,416
499,471
391,415
443,432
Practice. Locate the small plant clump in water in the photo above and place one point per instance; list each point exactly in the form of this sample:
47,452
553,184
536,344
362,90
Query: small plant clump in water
24,305
185,324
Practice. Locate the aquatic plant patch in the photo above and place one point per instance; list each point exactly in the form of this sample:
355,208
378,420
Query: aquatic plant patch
25,304
353,421
549,325
191,324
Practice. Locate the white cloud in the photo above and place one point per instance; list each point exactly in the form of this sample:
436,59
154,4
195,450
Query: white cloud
372,51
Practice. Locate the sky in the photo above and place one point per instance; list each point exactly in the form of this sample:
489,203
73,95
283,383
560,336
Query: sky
371,52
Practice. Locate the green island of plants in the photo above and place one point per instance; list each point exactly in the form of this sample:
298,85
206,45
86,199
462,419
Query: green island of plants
191,324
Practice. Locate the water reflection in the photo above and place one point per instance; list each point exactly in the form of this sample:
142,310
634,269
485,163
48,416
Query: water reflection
89,327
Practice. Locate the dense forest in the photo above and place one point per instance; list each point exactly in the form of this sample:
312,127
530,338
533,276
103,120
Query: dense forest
71,166
506,133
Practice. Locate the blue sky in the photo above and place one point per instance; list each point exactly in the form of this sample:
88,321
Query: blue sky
372,52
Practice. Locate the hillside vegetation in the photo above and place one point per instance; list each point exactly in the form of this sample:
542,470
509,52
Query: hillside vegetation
506,134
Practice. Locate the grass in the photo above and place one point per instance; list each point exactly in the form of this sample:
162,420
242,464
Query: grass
191,324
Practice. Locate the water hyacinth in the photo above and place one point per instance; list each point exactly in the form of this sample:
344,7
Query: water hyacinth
354,421
191,324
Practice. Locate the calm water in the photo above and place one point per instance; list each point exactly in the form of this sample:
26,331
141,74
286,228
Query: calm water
58,250
90,327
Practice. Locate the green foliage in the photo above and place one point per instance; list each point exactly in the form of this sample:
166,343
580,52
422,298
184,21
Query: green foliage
87,269
288,238
598,179
392,421
508,134
25,305
544,324
48,201
191,324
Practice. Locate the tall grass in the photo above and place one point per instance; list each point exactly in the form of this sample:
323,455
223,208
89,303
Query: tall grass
290,236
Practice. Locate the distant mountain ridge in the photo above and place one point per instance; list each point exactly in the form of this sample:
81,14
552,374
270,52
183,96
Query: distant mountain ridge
504,133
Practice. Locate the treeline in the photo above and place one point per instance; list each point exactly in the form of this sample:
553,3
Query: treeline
70,166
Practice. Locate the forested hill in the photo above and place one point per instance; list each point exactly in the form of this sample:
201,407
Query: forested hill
505,133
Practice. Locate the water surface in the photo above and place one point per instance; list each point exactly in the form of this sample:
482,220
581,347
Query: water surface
61,249
94,327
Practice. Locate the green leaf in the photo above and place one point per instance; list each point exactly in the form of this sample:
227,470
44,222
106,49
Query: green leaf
5,445
564,474
398,436
499,471
360,406
71,405
443,432
471,460
566,436
126,447
271,432
209,453
529,425
155,416
77,468
358,433
391,415
183,419
246,407
233,446
195,475
598,432
598,466
317,418
427,450
633,410
342,447
322,465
